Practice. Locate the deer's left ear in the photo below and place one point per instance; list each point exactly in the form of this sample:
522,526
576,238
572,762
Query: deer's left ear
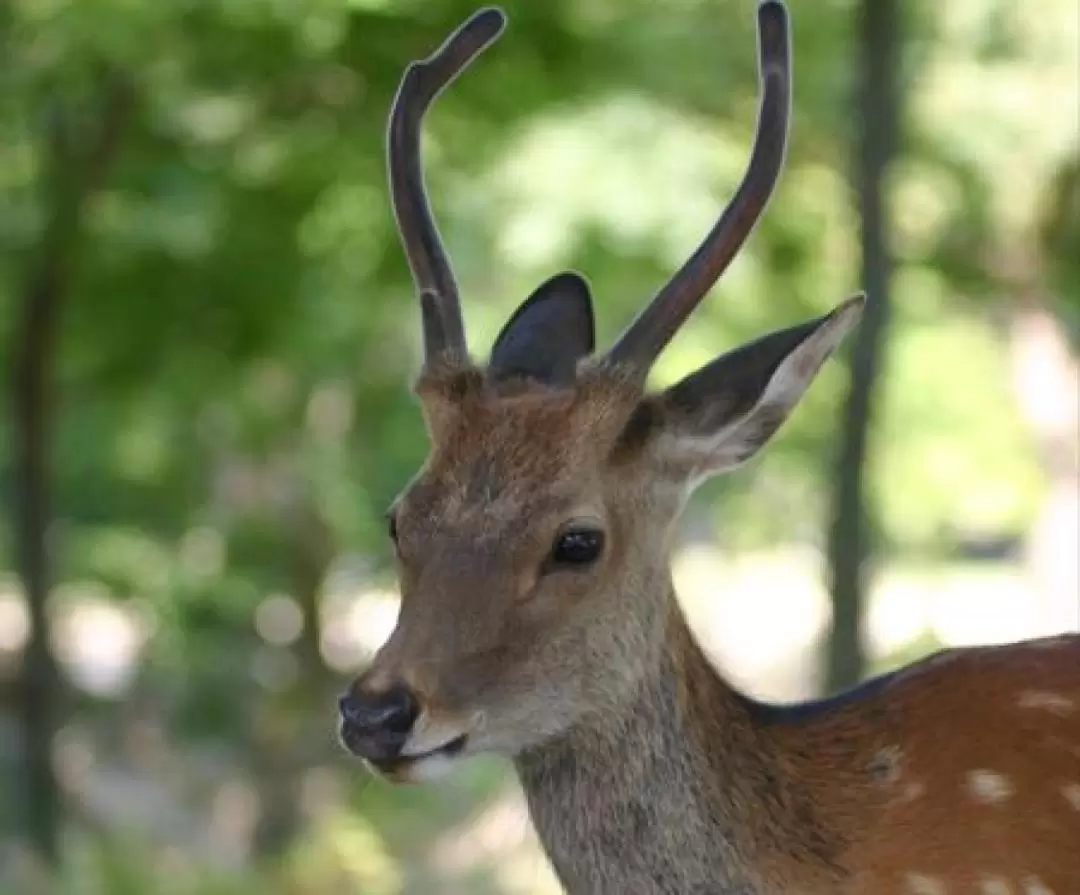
720,416
548,334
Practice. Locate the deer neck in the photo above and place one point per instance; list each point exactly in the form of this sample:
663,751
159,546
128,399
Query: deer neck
682,791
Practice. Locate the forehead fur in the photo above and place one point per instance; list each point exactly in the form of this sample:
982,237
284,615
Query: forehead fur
489,434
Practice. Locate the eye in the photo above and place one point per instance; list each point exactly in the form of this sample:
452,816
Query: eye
578,547
391,526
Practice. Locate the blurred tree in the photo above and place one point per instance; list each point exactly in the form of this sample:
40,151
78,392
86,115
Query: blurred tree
75,160
881,30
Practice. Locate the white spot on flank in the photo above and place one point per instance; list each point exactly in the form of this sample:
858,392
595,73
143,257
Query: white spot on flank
920,884
1071,791
1035,886
995,887
913,791
1052,702
989,786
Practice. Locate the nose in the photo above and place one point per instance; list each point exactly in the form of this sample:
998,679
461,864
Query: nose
390,712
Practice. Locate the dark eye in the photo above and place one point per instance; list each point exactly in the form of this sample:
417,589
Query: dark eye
391,526
578,547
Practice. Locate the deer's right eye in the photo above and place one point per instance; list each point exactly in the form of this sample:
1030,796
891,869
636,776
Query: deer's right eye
391,527
578,547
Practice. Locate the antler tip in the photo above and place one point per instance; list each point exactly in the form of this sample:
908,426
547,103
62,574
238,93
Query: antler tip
773,32
488,22
775,9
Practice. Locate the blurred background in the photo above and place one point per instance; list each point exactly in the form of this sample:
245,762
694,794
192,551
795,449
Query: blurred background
207,331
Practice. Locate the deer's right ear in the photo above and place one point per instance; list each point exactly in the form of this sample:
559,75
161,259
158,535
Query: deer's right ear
548,334
720,416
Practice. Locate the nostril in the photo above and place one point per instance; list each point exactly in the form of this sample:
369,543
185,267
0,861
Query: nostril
393,711
350,710
399,710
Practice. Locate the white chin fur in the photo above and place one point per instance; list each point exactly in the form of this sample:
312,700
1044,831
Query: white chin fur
430,737
434,767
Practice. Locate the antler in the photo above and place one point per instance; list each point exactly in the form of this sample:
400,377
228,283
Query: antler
444,329
653,328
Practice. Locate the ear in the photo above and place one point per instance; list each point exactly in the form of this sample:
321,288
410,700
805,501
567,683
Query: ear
720,416
548,334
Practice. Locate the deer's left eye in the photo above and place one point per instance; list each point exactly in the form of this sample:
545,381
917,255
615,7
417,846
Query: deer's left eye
578,547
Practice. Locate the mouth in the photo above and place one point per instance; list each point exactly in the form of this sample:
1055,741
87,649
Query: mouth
421,765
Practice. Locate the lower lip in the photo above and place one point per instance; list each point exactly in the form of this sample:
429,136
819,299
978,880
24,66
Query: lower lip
404,762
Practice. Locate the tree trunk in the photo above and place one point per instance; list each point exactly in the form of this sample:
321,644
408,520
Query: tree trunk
278,759
69,178
848,548
38,679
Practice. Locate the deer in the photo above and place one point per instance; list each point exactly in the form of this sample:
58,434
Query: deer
539,622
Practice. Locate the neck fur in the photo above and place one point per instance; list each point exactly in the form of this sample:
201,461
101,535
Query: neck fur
682,791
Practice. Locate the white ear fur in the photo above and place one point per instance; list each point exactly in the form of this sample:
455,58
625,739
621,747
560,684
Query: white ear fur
703,454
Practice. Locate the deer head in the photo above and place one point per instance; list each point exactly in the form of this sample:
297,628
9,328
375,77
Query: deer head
532,545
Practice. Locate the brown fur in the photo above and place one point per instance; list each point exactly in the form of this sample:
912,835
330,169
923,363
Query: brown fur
644,771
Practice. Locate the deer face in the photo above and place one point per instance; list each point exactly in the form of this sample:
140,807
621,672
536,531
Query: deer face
532,544
531,547
513,547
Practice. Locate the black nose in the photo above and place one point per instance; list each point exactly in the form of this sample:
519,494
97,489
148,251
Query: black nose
392,711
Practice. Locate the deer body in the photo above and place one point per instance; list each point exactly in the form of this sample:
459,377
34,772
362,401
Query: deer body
538,619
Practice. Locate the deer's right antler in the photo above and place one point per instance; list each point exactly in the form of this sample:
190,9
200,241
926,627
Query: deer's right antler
444,329
653,328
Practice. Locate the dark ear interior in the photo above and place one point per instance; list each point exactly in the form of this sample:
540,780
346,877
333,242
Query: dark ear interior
724,413
730,386
548,334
